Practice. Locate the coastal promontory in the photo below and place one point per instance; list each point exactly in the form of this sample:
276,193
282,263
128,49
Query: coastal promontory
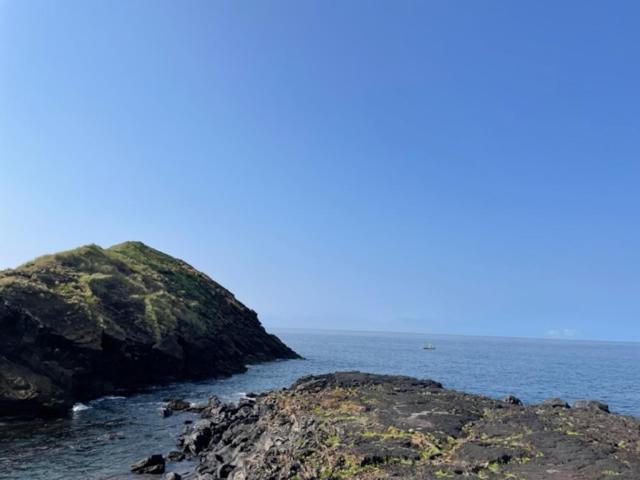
83,323
353,425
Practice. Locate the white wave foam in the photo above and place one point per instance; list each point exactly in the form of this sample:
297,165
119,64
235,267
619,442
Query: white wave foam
79,407
109,397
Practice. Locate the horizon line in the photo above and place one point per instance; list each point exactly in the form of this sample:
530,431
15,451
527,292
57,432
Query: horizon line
512,337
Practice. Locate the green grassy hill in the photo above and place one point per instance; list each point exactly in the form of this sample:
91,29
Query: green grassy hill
81,323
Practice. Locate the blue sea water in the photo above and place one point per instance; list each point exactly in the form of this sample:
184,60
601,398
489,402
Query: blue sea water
101,439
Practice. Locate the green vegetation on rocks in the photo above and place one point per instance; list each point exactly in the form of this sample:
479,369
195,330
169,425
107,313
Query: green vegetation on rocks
372,427
88,321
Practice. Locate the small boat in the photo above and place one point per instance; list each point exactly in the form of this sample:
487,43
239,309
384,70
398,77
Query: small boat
429,346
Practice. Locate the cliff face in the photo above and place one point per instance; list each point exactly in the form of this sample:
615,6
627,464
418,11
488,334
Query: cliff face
82,323
352,425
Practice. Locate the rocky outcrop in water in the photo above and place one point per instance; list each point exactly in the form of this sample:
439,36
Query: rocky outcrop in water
90,321
361,426
155,464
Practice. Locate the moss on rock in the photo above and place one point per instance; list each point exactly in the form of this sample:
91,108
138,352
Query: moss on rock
91,320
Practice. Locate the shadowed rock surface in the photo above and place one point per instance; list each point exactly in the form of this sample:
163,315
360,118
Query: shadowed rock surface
155,464
90,321
362,426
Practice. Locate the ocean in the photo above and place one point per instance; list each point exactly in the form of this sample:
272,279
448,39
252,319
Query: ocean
100,439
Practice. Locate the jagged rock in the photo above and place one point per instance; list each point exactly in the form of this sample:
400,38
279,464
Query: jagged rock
591,405
172,476
224,470
197,437
85,323
178,405
555,403
511,400
176,456
151,465
213,408
165,412
362,426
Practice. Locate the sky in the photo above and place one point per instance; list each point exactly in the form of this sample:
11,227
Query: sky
441,167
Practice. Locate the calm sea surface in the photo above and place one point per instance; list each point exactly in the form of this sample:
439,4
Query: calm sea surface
101,439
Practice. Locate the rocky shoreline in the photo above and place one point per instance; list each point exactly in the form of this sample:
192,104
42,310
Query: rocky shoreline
365,426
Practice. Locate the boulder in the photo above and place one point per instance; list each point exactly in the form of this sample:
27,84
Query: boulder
512,400
178,405
591,405
224,470
154,464
175,456
197,437
165,412
555,403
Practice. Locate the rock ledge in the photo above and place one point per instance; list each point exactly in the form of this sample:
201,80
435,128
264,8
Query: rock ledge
362,426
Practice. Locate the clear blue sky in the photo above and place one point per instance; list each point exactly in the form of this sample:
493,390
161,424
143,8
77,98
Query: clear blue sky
456,167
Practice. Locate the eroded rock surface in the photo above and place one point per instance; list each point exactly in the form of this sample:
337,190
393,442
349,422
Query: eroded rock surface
362,426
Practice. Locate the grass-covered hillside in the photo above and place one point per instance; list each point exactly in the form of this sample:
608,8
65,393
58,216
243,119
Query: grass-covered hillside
87,321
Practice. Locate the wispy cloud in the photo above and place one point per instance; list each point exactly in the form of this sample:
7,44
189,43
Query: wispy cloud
562,333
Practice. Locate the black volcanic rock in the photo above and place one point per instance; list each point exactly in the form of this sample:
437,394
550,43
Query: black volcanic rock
352,425
555,402
83,323
155,464
512,400
591,405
